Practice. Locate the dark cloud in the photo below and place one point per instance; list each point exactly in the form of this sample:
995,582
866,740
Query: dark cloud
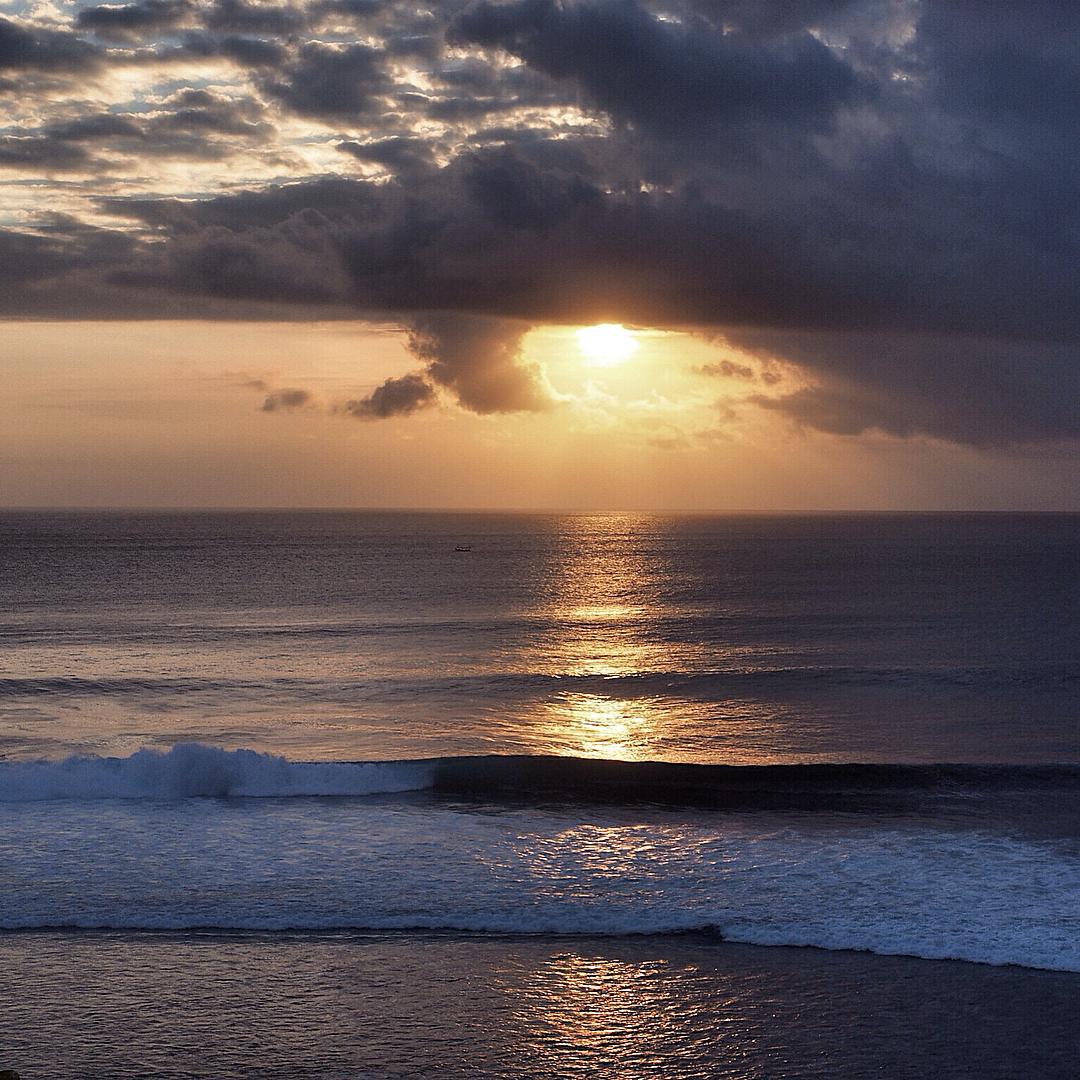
413,46
57,269
667,77
38,257
96,126
240,17
331,81
977,391
47,154
293,264
251,52
463,88
194,124
285,400
395,397
41,49
730,370
772,18
337,202
357,9
882,194
480,361
493,233
765,368
398,153
127,21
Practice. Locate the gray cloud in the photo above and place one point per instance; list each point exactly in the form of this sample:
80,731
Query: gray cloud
285,400
882,193
241,17
329,81
245,51
22,152
978,391
728,369
396,397
666,77
127,21
193,124
42,49
480,360
398,152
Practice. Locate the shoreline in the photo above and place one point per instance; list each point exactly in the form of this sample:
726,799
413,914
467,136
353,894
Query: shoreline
703,937
223,1004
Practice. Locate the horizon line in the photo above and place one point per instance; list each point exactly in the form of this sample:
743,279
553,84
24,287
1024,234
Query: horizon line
683,512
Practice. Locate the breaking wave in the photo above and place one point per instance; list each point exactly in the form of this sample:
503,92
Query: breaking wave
200,837
193,770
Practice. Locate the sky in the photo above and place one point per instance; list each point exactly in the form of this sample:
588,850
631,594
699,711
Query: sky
589,254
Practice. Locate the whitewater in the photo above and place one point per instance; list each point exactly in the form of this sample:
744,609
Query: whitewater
852,732
198,837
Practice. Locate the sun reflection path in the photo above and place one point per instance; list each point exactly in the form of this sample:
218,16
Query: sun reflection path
594,1015
597,726
602,624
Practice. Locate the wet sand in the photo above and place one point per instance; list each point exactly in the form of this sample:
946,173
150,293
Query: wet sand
336,1005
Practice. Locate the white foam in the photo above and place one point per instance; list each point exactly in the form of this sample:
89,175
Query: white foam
312,864
192,770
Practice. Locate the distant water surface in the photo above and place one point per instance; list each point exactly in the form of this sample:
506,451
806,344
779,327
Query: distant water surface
359,636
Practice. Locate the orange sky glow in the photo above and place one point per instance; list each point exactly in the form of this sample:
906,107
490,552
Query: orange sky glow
199,414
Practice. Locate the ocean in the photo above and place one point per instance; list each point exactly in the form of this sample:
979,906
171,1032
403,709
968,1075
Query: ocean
523,794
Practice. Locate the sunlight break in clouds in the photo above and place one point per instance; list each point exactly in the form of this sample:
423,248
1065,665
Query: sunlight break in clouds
857,193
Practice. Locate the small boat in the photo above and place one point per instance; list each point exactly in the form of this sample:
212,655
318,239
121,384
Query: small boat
463,547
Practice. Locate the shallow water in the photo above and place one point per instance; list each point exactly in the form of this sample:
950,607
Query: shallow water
346,1005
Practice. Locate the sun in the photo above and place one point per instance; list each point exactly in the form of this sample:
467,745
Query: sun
606,344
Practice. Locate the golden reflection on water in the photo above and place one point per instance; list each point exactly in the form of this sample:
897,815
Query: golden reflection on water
597,726
589,1012
612,622
604,607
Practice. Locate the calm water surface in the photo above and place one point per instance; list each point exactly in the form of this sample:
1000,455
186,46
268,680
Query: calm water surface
367,636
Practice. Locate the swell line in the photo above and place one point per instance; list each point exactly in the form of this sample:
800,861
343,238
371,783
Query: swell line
194,770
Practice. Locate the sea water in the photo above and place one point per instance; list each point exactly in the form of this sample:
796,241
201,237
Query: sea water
856,732
215,720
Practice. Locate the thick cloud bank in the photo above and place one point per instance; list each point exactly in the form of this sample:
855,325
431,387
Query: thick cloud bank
882,193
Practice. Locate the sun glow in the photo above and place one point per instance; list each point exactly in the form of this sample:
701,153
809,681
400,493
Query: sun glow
606,344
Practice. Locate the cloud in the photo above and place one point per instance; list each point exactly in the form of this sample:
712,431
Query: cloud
977,391
193,124
330,81
244,51
41,49
669,78
480,361
882,194
396,397
285,400
398,153
127,21
46,154
240,17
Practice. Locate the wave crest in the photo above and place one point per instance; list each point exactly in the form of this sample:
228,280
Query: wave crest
192,770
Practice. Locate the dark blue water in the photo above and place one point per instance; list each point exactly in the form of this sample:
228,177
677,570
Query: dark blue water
899,638
852,732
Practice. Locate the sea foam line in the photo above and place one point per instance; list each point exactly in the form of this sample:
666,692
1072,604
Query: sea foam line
192,770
